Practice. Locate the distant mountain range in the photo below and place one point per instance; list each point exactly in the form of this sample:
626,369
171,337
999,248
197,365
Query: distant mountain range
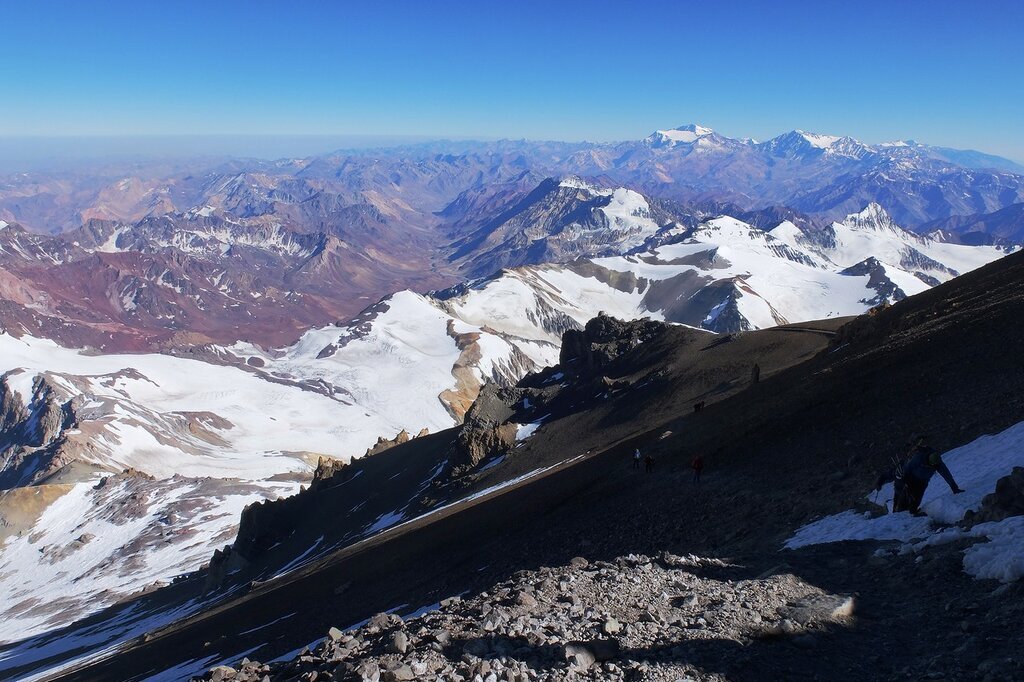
827,176
172,254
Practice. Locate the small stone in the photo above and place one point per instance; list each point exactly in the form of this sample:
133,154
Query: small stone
687,601
221,672
399,674
579,656
526,599
611,626
399,643
578,562
335,634
368,671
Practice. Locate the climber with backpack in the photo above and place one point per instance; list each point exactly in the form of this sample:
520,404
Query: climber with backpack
910,476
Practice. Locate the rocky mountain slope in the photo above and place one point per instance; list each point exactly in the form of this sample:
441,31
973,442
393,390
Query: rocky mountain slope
408,364
180,282
803,443
1005,226
726,275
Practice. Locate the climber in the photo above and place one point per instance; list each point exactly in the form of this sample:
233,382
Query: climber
698,466
910,476
636,459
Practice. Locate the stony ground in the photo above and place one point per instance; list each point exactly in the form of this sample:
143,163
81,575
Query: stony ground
661,618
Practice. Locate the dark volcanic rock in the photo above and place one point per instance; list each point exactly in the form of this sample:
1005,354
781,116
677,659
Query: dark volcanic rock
603,340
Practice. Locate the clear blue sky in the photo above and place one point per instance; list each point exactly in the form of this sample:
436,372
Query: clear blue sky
948,73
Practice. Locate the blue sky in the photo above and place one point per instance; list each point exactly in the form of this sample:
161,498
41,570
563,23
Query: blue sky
948,73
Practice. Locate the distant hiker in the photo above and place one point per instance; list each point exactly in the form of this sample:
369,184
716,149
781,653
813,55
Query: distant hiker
755,374
636,459
910,477
698,466
697,407
649,463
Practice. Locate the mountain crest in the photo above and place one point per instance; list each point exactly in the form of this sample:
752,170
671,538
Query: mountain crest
873,217
576,182
687,134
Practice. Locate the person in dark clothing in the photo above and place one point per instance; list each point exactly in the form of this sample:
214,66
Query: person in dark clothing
755,374
649,463
910,477
698,466
636,459
897,474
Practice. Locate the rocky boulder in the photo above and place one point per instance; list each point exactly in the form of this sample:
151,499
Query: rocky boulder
1006,501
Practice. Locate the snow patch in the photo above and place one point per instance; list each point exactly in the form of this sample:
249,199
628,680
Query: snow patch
526,430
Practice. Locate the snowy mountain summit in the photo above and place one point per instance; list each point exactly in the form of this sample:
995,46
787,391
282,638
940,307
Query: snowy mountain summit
687,134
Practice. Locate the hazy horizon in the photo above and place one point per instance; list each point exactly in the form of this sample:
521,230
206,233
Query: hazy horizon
946,73
25,153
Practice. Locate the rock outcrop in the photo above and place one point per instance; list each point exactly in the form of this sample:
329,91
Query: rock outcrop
1006,501
31,434
326,469
486,430
383,443
586,352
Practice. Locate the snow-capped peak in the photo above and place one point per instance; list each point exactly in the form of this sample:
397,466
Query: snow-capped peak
3,224
687,134
575,182
873,217
818,140
802,144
